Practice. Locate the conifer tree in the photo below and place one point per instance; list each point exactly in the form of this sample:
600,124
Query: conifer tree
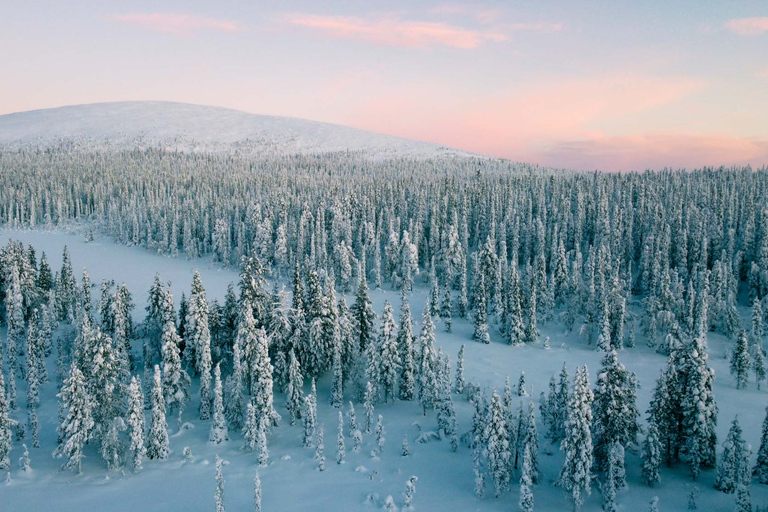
427,364
698,409
406,383
368,406
761,466
380,434
733,468
459,380
257,493
362,314
218,432
389,358
233,405
198,338
295,394
614,409
77,427
526,494
337,386
651,455
340,449
498,445
157,439
575,475
320,449
250,428
5,428
351,418
261,379
410,490
480,333
176,382
261,442
743,499
218,497
136,427
310,416
531,332
740,360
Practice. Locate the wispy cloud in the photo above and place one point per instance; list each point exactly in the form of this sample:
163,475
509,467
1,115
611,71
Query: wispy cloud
748,26
393,31
177,24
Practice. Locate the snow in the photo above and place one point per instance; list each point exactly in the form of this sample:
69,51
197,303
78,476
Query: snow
195,128
291,482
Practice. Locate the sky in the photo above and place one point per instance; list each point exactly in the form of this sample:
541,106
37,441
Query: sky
607,85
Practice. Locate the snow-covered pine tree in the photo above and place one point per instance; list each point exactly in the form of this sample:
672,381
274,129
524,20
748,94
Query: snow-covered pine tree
77,426
651,455
218,497
5,428
250,428
740,360
295,398
369,407
310,416
614,409
497,449
406,383
176,381
733,467
340,449
531,442
135,416
337,385
760,469
261,379
480,333
362,314
575,476
320,448
233,404
198,338
261,442
525,500
459,380
380,434
257,492
427,364
743,499
389,356
698,408
157,438
410,490
218,432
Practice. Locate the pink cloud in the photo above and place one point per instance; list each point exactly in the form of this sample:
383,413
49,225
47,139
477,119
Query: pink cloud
177,24
393,31
568,124
748,26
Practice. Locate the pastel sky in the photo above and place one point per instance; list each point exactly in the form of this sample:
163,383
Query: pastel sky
608,85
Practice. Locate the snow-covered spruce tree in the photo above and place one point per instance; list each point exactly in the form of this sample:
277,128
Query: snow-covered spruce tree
295,395
218,496
480,333
733,468
743,499
758,362
427,364
410,490
525,500
459,380
135,417
362,314
198,337
740,360
309,415
340,448
380,434
406,383
158,446
698,408
320,448
14,317
261,379
761,466
576,475
250,428
337,385
522,389
5,428
531,332
77,426
446,307
368,406
234,399
218,432
257,493
176,382
497,449
609,486
351,418
614,409
651,455
389,357
261,442
530,441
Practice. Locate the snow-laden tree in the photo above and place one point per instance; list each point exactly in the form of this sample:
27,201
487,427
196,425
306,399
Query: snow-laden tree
136,425
651,455
733,468
340,448
218,496
175,381
198,337
576,474
740,360
389,357
295,394
219,432
158,445
5,428
497,445
78,425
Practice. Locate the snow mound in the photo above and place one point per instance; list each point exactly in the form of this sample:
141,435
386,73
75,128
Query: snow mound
194,128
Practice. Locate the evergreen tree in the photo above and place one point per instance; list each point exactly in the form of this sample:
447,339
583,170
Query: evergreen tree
498,445
531,333
310,416
389,357
340,449
5,428
233,405
261,379
320,449
78,425
218,431
176,382
698,409
135,416
614,409
743,499
761,466
219,495
295,394
575,475
406,384
337,386
526,494
651,455
251,428
198,336
157,439
368,406
733,468
427,364
459,381
410,490
740,360
257,493
362,314
480,333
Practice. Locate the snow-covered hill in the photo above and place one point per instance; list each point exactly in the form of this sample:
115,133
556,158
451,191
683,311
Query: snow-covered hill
185,127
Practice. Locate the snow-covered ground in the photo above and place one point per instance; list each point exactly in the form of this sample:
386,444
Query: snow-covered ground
195,128
292,482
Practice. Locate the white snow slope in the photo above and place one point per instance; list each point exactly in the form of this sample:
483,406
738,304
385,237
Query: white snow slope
195,128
